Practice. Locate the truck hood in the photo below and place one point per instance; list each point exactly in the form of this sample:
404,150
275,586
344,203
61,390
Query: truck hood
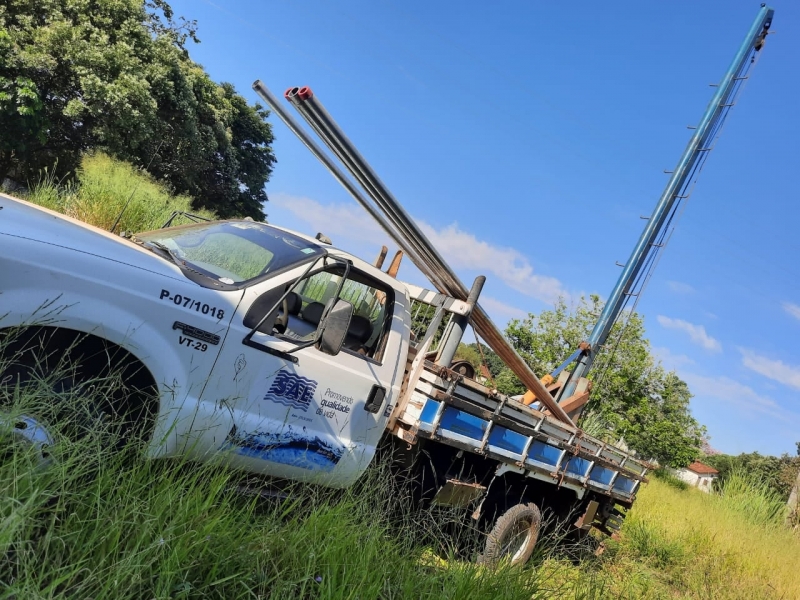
22,219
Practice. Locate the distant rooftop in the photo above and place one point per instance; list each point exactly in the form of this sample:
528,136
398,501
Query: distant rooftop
701,469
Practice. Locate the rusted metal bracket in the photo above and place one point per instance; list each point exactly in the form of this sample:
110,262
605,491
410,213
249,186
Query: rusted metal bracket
587,518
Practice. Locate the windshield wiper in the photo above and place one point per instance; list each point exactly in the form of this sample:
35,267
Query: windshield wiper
181,262
168,251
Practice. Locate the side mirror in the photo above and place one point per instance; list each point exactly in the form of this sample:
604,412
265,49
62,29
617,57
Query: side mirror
333,329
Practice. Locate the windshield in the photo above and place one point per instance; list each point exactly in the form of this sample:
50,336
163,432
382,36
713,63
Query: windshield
231,252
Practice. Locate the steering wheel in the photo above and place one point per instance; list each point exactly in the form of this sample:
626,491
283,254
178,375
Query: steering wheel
282,320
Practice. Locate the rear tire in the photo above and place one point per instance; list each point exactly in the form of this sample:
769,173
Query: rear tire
513,536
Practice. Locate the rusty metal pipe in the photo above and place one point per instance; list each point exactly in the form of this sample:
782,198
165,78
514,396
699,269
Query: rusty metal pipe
433,266
322,124
295,128
330,133
381,257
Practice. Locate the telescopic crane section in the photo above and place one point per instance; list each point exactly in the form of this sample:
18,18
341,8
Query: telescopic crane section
638,267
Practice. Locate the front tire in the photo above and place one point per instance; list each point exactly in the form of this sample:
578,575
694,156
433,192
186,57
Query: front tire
58,384
513,536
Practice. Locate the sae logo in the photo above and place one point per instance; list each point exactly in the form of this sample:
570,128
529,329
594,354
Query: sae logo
291,390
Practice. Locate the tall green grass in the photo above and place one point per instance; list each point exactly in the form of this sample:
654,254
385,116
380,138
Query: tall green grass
97,524
688,544
753,499
102,524
103,186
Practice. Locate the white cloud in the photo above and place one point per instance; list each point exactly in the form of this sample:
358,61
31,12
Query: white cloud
697,333
759,417
792,309
670,360
733,392
461,249
680,288
777,370
334,220
497,309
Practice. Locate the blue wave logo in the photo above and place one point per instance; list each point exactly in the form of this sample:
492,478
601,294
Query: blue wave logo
291,447
292,390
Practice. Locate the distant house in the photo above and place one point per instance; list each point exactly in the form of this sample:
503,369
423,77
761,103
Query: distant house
698,475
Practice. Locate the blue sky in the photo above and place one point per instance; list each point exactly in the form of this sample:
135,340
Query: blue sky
528,138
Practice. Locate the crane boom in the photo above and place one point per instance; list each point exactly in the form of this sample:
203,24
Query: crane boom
391,216
692,158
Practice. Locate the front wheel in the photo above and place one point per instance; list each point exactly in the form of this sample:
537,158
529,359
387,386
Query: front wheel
60,385
513,536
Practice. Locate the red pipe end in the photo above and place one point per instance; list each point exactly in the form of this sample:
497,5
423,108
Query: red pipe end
304,93
289,93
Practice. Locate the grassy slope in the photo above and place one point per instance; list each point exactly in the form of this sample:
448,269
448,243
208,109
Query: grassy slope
103,187
687,544
95,527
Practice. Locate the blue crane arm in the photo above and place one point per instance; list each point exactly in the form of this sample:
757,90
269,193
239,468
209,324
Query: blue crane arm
692,156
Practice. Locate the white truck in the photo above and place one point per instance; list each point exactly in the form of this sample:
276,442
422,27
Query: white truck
290,358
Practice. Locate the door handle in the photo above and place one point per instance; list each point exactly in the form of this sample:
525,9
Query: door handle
375,399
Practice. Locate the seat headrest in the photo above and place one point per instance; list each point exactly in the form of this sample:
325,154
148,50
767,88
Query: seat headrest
313,312
294,302
360,329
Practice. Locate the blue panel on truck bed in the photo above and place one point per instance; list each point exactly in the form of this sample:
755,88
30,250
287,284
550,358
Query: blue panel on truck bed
463,423
544,453
457,425
506,439
429,411
624,485
577,466
601,475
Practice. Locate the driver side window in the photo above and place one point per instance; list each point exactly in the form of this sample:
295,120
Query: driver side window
371,300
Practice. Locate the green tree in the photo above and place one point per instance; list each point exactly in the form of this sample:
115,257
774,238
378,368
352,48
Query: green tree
660,425
632,395
493,362
115,75
469,353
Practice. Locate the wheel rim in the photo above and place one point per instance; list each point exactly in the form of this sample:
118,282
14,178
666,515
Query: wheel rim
516,541
27,432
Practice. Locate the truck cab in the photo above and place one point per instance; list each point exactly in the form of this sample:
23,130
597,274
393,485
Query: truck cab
278,400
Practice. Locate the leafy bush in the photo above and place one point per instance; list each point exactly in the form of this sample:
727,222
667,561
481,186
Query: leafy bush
777,472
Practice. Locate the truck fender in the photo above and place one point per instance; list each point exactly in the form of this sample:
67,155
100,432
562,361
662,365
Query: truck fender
155,349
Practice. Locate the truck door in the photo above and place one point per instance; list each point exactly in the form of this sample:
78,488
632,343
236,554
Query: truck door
296,412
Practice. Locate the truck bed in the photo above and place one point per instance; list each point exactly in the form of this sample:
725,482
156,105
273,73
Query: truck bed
439,404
